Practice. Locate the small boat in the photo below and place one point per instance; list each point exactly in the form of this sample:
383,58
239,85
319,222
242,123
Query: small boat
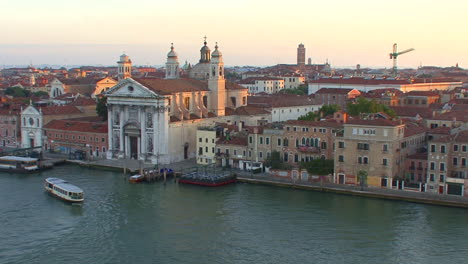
207,180
64,190
18,164
136,178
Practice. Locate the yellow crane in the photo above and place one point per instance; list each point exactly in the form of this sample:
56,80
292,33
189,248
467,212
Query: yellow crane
394,55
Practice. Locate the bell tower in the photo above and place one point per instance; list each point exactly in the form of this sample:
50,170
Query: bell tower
217,83
125,67
172,64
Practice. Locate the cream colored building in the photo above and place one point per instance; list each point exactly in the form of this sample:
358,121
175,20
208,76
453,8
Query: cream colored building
377,146
206,145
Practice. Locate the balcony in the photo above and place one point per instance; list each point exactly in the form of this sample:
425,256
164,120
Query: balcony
308,149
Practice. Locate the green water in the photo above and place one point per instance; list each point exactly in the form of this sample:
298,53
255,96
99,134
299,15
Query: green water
240,223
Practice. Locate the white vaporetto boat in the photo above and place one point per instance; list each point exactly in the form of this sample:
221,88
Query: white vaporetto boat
64,190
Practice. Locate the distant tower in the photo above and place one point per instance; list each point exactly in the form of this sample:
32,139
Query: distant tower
217,83
205,53
301,55
172,64
309,61
125,67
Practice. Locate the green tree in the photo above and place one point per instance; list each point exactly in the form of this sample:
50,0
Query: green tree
311,116
17,92
275,162
40,93
318,166
101,108
323,111
363,105
300,90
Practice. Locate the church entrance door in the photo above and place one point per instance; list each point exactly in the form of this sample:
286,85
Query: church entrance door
133,147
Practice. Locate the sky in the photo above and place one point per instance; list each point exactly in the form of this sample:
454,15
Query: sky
248,32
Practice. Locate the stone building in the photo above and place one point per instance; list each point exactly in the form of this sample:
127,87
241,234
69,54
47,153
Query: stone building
448,164
156,119
377,146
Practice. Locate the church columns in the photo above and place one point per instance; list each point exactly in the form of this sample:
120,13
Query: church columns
122,135
110,132
143,141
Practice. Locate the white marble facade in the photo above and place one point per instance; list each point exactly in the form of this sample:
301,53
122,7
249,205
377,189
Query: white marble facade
138,123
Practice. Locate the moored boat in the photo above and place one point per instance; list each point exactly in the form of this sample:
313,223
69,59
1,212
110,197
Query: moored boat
18,164
207,180
64,190
136,178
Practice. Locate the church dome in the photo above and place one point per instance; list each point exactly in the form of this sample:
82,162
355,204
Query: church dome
124,58
216,52
205,53
172,53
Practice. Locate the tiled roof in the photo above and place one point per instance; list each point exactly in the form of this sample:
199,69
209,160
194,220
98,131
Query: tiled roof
440,130
357,80
234,86
77,126
412,111
253,79
334,91
239,141
422,93
453,116
460,137
82,101
374,122
414,129
169,86
80,81
249,110
60,110
281,100
314,123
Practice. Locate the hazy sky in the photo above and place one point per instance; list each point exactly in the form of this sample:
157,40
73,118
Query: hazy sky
249,32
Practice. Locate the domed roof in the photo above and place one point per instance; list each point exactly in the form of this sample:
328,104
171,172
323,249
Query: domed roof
205,48
124,58
172,53
216,52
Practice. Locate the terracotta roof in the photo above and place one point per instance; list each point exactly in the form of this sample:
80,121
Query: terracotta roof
453,116
249,110
440,130
314,123
357,80
334,91
460,137
82,101
422,93
234,86
77,126
280,100
253,79
412,111
239,141
414,129
374,122
169,86
80,81
60,110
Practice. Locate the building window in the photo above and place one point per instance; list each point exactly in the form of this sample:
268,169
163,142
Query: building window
432,166
296,158
385,147
464,148
463,162
432,177
279,141
455,161
363,146
206,149
455,147
260,154
200,140
212,150
235,152
441,178
206,140
359,160
433,148
442,166
187,102
261,140
267,140
442,149
341,158
227,151
365,160
250,140
285,142
341,144
384,162
103,139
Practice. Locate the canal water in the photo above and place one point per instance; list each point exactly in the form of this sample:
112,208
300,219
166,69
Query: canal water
241,223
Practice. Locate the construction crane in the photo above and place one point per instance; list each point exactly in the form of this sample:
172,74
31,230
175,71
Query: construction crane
394,55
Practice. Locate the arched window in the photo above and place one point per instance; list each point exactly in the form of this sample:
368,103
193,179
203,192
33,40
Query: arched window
285,142
303,141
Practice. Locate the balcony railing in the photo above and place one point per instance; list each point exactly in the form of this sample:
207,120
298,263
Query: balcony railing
308,149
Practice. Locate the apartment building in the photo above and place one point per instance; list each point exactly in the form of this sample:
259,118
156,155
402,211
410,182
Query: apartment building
448,165
377,146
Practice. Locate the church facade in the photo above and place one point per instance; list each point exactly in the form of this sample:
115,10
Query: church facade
156,120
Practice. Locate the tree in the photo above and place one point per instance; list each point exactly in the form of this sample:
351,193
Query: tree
40,93
368,106
362,178
17,92
300,90
323,111
101,108
318,166
275,162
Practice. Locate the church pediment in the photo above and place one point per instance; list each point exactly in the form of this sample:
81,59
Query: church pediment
130,88
30,110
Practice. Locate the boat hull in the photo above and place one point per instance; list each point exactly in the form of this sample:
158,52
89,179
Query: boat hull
63,198
208,184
